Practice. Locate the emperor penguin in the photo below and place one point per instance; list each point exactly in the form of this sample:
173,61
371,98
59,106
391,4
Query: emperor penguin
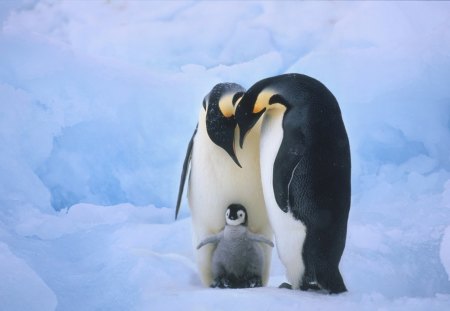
221,175
305,172
238,259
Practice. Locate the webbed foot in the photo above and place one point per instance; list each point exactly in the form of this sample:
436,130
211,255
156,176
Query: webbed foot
307,286
285,285
254,282
221,282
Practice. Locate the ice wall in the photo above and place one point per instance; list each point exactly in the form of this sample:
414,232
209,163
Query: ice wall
106,95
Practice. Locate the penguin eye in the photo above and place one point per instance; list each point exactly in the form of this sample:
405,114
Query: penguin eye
228,213
241,214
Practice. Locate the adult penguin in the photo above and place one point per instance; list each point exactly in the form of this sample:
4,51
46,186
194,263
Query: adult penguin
218,179
305,171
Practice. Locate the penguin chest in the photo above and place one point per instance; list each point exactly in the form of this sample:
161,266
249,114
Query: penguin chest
209,185
216,182
289,233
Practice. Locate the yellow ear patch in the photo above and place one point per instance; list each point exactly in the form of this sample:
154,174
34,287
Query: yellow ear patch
226,106
262,101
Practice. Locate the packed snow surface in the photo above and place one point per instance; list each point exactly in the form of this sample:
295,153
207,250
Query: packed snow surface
98,100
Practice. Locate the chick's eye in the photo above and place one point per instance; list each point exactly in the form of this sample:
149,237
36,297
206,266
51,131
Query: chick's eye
241,214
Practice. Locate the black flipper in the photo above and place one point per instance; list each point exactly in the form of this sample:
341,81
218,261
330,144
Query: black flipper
291,150
287,161
187,161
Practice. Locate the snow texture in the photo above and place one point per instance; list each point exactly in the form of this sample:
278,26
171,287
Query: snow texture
98,100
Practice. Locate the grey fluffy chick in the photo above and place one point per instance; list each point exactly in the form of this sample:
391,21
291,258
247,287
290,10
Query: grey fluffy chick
237,261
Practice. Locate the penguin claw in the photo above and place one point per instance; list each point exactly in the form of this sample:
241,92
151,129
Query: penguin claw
225,283
255,282
221,283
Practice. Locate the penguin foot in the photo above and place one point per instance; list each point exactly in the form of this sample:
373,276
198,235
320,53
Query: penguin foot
340,288
312,286
254,282
332,282
225,282
221,283
285,285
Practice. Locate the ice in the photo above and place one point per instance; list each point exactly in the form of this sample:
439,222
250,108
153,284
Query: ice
127,257
445,250
98,100
21,288
445,243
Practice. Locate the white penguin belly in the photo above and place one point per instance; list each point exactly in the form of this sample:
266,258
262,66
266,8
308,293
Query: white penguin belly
289,233
216,182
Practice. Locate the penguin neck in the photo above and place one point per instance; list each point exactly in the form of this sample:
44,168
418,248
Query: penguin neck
270,142
271,135
231,232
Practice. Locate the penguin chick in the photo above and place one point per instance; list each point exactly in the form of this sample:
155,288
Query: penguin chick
237,261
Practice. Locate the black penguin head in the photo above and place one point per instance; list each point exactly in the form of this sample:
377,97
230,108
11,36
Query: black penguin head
260,97
220,122
251,108
246,118
236,215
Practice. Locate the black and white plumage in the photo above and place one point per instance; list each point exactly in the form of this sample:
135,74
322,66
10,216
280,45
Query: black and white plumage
238,259
221,175
305,171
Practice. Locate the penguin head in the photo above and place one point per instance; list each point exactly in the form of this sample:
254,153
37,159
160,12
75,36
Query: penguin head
253,105
236,215
219,105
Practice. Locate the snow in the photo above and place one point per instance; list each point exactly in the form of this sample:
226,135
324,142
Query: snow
98,100
15,273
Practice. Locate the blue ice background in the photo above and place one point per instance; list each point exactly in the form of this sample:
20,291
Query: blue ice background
104,116
99,99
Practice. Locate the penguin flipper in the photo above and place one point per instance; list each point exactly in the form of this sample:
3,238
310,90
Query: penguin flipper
211,239
187,161
259,238
287,161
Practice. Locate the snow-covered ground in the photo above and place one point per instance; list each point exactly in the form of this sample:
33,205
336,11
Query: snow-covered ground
98,100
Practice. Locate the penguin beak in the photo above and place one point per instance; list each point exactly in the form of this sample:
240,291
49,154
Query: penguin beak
221,132
242,134
246,119
230,149
245,115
